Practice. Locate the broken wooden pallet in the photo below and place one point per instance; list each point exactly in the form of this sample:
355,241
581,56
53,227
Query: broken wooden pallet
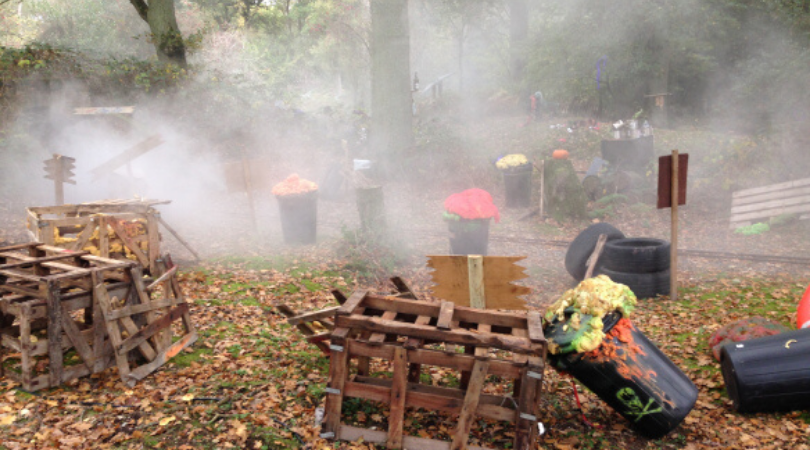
752,205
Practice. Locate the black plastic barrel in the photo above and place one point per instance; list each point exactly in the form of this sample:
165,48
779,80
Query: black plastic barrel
635,378
768,374
299,217
469,237
518,185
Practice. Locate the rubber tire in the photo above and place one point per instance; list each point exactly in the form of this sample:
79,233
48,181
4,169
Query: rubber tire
636,255
644,285
580,249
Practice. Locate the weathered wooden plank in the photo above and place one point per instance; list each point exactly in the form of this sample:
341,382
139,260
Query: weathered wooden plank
352,303
535,326
152,328
103,299
26,363
457,361
462,313
380,337
475,282
313,316
338,372
525,429
405,291
84,237
42,260
744,204
164,356
458,336
772,187
452,278
467,415
399,391
55,355
79,342
124,237
139,309
769,213
304,328
166,275
431,398
483,352
445,315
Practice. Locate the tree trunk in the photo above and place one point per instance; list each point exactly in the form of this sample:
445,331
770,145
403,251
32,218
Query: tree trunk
659,49
166,37
391,97
518,34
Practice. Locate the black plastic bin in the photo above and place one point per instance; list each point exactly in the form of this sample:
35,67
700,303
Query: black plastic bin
518,185
634,377
469,237
768,374
299,217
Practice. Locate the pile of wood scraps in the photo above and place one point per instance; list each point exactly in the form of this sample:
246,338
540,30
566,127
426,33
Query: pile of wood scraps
66,314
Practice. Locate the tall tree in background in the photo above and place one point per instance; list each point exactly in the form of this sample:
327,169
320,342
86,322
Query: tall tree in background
391,101
166,37
518,36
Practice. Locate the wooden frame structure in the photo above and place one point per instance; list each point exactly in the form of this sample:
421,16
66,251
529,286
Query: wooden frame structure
407,334
55,301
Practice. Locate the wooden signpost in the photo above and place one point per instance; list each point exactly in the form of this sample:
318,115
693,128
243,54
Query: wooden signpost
60,170
671,193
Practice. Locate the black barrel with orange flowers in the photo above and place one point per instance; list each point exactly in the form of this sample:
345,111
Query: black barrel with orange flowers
592,338
298,208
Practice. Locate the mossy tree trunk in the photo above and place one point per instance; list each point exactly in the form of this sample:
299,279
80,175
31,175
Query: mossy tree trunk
166,37
565,197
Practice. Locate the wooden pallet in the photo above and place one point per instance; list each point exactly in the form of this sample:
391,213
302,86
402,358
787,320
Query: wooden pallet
406,335
47,311
752,205
54,303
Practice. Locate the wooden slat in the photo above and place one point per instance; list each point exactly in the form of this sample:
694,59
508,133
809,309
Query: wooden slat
164,356
431,398
771,213
338,372
452,279
535,327
313,316
445,315
42,260
55,356
475,275
127,241
399,390
772,187
459,336
525,428
139,309
380,337
84,236
462,313
483,352
166,275
456,361
79,342
352,303
103,299
152,328
405,291
467,415
748,203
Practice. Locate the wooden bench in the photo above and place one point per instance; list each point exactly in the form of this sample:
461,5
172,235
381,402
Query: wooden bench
753,205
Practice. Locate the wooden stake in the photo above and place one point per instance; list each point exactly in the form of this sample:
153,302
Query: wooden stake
673,255
475,268
249,191
542,188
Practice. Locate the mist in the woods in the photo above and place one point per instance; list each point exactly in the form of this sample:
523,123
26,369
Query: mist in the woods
291,84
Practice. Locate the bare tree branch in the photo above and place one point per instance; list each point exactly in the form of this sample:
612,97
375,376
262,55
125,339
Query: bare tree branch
140,6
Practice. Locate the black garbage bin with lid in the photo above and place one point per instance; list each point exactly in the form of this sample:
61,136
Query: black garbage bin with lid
629,373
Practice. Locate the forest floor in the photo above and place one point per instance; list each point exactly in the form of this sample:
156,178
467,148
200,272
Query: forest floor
252,382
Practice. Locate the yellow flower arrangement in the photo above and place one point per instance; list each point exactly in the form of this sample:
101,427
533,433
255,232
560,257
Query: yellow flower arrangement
512,161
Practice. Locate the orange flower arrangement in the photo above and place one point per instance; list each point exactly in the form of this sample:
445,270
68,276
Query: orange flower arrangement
294,185
472,204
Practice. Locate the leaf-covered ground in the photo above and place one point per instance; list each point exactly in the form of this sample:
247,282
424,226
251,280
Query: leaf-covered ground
252,382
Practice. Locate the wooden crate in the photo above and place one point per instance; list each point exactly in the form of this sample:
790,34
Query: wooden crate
59,307
46,291
405,335
118,229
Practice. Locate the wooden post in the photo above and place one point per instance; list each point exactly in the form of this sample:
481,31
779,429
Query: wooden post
475,267
673,254
542,188
55,356
249,191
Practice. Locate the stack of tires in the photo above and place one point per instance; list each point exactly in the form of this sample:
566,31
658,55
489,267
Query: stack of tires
640,263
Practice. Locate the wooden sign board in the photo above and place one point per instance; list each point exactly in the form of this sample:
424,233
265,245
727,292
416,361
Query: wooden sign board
457,279
665,180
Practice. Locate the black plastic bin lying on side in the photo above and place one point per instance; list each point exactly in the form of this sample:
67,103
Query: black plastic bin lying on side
635,378
770,373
